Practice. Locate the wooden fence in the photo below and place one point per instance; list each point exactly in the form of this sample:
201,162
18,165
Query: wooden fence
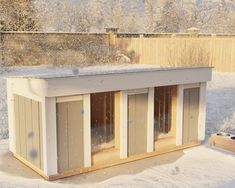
158,49
182,50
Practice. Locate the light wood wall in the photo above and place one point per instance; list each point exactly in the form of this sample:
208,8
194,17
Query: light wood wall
28,130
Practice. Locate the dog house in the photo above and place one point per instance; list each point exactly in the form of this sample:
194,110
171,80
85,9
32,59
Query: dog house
65,124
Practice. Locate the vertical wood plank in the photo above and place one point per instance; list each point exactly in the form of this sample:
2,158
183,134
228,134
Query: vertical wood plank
36,151
141,123
40,135
131,125
29,130
190,115
23,144
62,136
75,135
174,111
17,124
194,98
186,116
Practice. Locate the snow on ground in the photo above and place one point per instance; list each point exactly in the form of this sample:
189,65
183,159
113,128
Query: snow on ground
195,167
221,103
201,166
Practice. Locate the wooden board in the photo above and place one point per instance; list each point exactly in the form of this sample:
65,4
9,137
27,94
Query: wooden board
75,134
70,135
17,124
27,125
62,137
223,142
23,144
137,123
29,132
190,115
40,135
173,111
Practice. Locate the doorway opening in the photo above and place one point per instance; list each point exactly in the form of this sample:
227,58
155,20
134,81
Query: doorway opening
165,99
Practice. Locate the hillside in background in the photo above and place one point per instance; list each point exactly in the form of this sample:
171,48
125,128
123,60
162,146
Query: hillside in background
217,16
164,16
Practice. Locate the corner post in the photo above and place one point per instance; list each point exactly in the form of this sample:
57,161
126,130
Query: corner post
49,136
150,126
123,124
11,116
87,130
202,112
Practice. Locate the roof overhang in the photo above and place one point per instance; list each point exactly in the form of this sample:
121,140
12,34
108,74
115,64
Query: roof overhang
83,84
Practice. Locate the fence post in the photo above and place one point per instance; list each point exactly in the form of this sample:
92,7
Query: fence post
112,32
193,31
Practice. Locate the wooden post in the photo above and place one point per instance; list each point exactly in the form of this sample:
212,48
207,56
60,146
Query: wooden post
202,112
112,31
87,130
11,116
193,31
49,136
123,124
150,126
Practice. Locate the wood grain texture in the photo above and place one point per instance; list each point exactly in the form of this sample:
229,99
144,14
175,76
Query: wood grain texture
70,135
222,142
137,123
28,140
190,115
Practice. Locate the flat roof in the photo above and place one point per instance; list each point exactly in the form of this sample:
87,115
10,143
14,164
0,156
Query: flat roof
49,72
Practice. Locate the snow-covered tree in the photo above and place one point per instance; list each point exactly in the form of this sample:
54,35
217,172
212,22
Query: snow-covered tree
17,15
216,17
66,16
149,13
170,21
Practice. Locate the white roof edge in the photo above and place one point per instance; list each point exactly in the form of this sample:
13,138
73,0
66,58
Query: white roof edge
106,72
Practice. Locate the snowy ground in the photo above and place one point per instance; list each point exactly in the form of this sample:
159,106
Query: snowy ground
201,166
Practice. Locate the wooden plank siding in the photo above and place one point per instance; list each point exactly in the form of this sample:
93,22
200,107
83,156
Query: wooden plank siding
216,51
137,123
70,135
190,115
28,132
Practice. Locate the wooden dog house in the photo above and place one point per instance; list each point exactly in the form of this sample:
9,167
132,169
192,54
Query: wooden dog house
62,125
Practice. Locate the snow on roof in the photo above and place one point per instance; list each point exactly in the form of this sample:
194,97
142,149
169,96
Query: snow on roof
47,72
